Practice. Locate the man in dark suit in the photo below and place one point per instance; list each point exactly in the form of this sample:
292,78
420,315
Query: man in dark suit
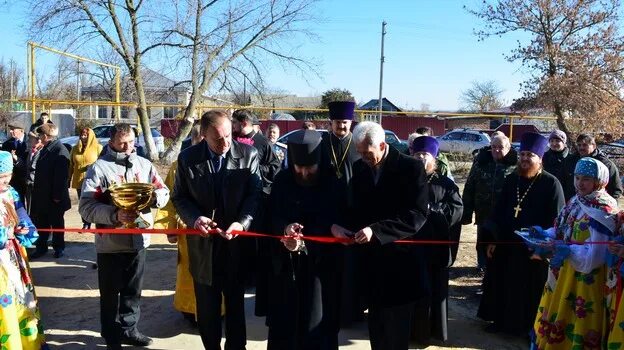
390,204
17,146
217,187
50,198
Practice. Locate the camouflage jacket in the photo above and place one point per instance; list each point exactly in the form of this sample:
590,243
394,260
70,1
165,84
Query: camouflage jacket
484,183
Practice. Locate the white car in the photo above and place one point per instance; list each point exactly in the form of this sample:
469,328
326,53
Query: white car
102,133
463,141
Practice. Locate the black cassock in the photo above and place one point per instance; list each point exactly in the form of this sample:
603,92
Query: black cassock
303,287
338,156
445,212
513,282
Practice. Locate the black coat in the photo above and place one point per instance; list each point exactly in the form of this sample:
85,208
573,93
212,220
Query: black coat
269,163
614,187
37,124
50,194
231,193
18,181
553,162
395,208
445,213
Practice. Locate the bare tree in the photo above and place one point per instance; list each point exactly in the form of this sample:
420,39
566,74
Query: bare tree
482,96
574,53
11,80
221,41
207,41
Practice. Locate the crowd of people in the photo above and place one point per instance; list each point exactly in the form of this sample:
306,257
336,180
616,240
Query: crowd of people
561,290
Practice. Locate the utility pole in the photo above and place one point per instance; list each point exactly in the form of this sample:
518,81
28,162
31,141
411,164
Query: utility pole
12,75
380,101
77,80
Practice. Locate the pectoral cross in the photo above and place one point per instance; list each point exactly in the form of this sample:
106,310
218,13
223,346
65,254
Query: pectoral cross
517,209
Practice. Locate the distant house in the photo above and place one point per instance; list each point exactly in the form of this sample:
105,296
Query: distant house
386,105
158,90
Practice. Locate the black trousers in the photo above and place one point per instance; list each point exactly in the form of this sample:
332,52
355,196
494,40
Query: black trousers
120,277
208,299
389,326
52,220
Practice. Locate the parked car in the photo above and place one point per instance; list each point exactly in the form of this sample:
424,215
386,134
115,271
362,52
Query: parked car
391,139
463,141
102,133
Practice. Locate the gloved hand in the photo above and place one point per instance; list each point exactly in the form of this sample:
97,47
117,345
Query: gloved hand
562,251
537,232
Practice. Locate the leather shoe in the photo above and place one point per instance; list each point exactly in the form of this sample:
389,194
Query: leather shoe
136,339
58,254
113,346
37,254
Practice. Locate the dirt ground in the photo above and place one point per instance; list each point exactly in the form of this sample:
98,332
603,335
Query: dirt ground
69,299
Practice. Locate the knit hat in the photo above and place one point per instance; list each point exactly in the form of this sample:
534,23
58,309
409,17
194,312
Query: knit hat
6,162
533,142
559,135
426,144
591,167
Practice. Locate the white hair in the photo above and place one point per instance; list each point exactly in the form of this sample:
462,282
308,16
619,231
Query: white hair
503,139
370,132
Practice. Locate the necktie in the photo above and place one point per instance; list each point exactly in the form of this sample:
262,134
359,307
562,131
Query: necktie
216,163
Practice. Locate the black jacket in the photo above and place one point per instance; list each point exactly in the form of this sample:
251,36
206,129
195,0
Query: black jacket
51,182
37,124
232,194
554,161
395,208
18,181
445,213
268,162
614,187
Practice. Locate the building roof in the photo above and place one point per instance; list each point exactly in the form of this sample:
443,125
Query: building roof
386,105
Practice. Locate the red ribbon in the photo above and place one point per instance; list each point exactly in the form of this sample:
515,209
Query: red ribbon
319,239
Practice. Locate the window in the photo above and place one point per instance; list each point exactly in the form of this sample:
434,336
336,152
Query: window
102,112
454,136
470,137
125,112
102,131
170,112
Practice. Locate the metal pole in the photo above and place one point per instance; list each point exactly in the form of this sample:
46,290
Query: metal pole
32,82
77,80
380,104
511,118
118,92
11,72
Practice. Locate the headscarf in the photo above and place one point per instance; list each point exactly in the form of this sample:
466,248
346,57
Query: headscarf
6,162
591,167
598,205
92,143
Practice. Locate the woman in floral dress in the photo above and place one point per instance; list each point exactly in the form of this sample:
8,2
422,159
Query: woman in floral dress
571,314
20,325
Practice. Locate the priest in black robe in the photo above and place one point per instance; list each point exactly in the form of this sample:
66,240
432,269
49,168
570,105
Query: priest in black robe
530,197
445,211
338,157
390,203
304,281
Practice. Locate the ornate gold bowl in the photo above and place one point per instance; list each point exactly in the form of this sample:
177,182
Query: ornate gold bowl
134,196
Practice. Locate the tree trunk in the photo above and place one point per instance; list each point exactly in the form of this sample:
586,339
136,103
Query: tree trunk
150,146
171,154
